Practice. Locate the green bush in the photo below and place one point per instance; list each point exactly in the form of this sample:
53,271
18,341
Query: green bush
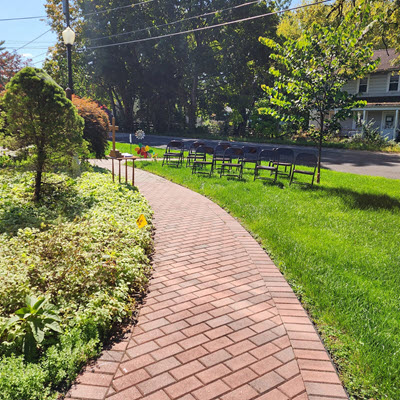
42,123
22,381
81,248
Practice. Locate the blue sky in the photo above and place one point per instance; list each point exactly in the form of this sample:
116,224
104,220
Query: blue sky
18,33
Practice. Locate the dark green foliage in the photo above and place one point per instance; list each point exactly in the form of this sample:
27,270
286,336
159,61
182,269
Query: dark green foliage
29,325
22,381
41,119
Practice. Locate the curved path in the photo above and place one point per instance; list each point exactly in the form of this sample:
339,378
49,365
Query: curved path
219,322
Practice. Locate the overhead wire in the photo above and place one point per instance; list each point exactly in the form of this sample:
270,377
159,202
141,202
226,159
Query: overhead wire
206,27
19,18
83,15
33,40
176,22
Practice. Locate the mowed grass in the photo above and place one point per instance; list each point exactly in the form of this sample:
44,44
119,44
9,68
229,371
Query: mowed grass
127,148
338,246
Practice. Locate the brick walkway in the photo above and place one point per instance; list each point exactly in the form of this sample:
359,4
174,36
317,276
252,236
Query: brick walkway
219,322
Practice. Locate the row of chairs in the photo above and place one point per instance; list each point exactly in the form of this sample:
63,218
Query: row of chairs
230,160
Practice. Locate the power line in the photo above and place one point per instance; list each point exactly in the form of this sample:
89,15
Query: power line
177,22
207,27
19,18
27,48
37,62
33,40
83,15
41,54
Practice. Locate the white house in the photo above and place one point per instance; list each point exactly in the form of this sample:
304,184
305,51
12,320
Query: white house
381,90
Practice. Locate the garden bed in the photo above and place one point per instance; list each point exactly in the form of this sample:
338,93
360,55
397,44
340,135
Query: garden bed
82,249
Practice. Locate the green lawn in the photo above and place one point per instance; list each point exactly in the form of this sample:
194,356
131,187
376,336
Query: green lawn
338,245
127,148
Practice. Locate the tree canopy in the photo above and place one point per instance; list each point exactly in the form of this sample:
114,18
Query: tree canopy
309,73
168,83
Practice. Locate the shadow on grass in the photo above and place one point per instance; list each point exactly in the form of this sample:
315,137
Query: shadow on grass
59,200
363,201
100,170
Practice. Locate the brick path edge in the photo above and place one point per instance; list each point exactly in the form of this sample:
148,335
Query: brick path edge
219,321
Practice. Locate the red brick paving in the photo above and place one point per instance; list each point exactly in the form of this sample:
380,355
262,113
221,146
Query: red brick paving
219,321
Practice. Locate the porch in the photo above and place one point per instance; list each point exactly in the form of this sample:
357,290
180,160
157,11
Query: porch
385,117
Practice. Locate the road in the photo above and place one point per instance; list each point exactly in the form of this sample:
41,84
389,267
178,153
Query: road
356,162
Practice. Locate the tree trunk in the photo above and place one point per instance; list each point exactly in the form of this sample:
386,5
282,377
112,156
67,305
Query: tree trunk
39,173
193,103
321,134
114,109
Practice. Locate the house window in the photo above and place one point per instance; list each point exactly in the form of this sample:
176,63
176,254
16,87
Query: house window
394,83
389,122
363,85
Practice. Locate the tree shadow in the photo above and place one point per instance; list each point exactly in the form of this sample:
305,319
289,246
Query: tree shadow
363,201
100,170
58,201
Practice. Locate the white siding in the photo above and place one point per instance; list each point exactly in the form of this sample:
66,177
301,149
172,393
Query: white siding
378,86
351,87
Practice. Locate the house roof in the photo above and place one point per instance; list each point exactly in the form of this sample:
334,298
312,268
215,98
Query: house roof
387,57
381,99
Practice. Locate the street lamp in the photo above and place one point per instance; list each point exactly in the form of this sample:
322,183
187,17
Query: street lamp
69,38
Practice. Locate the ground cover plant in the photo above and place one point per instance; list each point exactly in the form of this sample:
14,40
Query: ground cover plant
337,245
72,266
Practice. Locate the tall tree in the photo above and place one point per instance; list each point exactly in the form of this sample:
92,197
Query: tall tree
310,73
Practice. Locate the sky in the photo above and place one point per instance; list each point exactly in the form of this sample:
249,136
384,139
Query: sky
18,33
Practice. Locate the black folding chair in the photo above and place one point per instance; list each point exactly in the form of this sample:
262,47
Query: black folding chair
286,159
268,160
192,152
219,154
250,155
174,153
308,160
232,162
204,157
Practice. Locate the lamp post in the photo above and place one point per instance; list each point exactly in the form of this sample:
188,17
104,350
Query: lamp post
69,38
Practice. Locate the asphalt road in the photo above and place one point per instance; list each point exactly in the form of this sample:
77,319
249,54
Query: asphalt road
356,162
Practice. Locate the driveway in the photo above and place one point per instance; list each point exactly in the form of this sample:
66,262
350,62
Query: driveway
357,162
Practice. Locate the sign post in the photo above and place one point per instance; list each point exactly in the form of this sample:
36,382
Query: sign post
113,128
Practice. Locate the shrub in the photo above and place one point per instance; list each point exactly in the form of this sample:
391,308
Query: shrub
21,380
369,135
96,125
40,118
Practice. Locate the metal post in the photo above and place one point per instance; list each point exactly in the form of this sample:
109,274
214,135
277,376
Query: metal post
69,90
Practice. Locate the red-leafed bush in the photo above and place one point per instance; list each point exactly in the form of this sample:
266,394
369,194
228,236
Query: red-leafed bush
96,125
